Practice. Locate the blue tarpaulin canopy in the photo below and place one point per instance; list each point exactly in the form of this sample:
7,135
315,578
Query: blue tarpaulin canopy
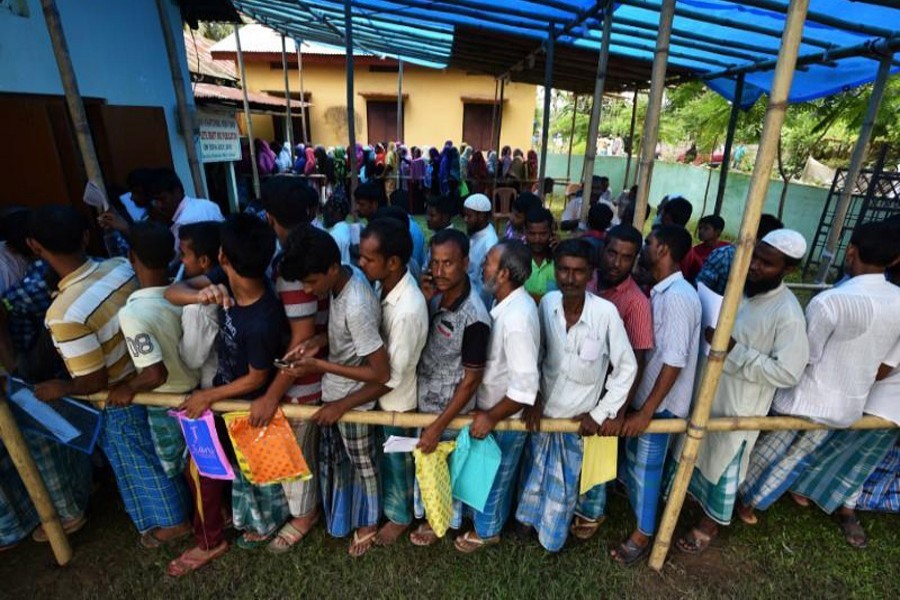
714,40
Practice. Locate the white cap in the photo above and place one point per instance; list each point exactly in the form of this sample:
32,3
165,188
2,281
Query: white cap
787,241
478,203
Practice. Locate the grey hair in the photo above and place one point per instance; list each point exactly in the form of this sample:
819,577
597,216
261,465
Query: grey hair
515,257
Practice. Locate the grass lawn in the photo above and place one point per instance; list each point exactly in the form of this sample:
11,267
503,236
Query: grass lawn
792,553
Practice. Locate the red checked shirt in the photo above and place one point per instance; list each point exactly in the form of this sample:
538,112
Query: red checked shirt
634,308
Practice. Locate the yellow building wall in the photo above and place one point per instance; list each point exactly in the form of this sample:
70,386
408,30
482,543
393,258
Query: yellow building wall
433,109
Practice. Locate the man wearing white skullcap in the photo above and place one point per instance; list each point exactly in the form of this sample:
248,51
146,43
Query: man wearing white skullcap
768,351
482,237
854,333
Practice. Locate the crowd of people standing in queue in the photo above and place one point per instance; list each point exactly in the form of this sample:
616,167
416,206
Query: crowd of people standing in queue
556,319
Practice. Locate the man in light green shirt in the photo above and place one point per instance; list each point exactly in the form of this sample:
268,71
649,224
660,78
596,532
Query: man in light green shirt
538,235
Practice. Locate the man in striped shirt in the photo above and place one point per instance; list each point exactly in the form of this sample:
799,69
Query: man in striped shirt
83,321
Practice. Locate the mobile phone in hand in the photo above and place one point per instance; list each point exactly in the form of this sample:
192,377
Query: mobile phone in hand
282,364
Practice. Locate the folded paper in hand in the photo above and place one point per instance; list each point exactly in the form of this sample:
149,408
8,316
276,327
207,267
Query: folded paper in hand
94,196
396,443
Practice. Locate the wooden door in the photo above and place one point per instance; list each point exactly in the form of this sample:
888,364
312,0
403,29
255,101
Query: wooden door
477,126
381,118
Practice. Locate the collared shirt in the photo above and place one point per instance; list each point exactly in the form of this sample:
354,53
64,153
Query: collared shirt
542,278
676,335
513,353
480,243
696,257
354,318
152,328
576,361
84,322
194,210
852,330
404,328
634,308
458,338
714,273
511,234
26,303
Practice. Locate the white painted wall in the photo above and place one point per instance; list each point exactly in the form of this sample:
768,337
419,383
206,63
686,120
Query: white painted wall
117,49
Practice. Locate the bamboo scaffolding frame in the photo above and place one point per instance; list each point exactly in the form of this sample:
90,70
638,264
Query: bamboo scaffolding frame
654,107
351,110
756,197
399,113
571,138
240,56
632,141
304,111
856,162
729,142
287,97
548,89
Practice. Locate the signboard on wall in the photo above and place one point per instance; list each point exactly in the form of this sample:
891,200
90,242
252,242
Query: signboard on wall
220,140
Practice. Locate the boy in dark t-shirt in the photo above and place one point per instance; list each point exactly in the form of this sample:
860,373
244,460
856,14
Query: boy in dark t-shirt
251,336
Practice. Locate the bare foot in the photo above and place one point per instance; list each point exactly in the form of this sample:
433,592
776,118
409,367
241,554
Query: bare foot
165,534
799,500
745,513
389,533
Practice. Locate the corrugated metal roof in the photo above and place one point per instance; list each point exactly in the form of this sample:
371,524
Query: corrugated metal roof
200,61
211,91
256,38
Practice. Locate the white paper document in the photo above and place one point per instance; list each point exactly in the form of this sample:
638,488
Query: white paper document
45,415
711,304
94,196
396,443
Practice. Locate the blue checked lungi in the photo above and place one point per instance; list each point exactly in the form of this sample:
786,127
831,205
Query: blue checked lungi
716,499
168,440
551,472
151,498
841,466
398,476
457,508
881,491
777,460
18,517
490,522
645,459
260,509
348,475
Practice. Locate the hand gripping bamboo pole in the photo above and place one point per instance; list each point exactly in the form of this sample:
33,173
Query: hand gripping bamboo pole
654,107
756,197
31,477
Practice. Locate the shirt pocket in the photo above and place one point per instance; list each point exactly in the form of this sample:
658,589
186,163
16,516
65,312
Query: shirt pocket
587,360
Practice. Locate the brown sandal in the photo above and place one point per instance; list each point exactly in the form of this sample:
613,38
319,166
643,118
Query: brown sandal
186,563
289,536
423,536
468,544
584,529
853,531
695,542
362,543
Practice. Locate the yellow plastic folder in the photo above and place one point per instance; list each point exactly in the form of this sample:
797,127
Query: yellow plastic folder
433,476
266,455
600,462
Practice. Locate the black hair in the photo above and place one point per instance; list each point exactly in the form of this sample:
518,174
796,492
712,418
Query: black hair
443,205
515,257
203,237
393,212
140,178
289,200
248,244
393,237
153,244
308,251
14,229
767,224
714,221
164,180
876,243
58,228
600,217
676,239
626,233
539,215
370,191
576,248
679,210
451,236
526,201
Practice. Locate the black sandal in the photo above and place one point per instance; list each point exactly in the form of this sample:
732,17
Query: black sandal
628,553
853,531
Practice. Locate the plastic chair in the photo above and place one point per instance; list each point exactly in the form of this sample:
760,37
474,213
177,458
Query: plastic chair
503,199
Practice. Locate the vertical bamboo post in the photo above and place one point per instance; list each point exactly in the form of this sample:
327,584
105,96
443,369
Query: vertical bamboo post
351,111
654,106
756,197
73,95
254,165
631,140
186,119
31,477
590,149
499,167
287,97
548,86
399,106
571,138
304,110
493,116
856,163
729,141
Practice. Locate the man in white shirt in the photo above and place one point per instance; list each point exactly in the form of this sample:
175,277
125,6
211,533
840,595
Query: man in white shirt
385,247
571,217
852,330
667,383
582,337
177,209
482,237
511,382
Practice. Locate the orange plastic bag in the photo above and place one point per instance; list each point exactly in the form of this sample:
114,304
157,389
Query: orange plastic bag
266,455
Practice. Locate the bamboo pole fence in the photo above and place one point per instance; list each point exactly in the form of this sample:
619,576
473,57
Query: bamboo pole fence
240,56
287,100
756,197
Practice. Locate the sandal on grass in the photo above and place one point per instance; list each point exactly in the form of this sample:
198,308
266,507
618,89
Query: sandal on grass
746,514
584,529
188,562
853,531
288,536
251,541
695,542
151,541
69,527
469,542
799,500
362,543
628,553
423,536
